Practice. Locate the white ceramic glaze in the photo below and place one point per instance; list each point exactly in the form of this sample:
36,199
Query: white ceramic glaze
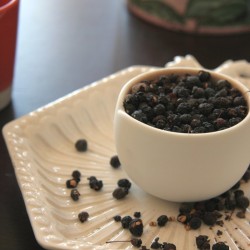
179,166
41,147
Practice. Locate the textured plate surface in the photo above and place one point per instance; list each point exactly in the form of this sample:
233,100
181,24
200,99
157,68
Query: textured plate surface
41,146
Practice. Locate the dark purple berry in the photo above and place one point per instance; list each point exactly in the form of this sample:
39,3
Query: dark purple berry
125,221
83,216
195,223
72,183
242,202
81,145
204,76
137,214
183,108
169,246
115,162
136,242
159,109
155,244
95,184
205,108
162,220
117,218
140,116
136,227
220,246
74,194
201,240
209,218
119,193
76,175
124,183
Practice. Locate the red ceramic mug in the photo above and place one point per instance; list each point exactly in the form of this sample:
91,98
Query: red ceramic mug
8,33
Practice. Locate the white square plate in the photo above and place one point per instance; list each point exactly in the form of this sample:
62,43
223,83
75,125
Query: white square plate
41,146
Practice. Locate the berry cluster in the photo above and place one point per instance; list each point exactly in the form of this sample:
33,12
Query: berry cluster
186,103
209,212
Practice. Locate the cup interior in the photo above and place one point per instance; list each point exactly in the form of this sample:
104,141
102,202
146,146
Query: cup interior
181,71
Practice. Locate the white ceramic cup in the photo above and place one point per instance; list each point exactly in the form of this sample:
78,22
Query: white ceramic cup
179,166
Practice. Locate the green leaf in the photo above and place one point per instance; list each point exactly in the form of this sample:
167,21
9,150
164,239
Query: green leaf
159,9
218,12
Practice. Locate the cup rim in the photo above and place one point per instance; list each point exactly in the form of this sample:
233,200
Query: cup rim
157,72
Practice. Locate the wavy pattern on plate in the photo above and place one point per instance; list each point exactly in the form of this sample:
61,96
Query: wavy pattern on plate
41,146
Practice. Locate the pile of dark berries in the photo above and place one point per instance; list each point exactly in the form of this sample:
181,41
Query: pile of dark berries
203,243
186,103
209,212
122,190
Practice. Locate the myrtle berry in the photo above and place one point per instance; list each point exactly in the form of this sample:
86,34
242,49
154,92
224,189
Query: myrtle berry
120,193
205,108
201,241
155,244
209,92
162,220
72,183
136,227
115,162
238,193
242,202
137,214
124,183
220,246
139,87
195,223
204,76
125,221
209,218
95,184
221,93
159,109
194,80
136,242
83,216
76,175
169,246
185,208
140,116
183,108
239,100
198,92
74,194
117,218
81,145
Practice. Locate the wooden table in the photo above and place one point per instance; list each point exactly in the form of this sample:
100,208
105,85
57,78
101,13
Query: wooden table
64,45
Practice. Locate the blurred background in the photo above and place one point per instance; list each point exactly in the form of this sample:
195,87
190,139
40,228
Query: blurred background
72,43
